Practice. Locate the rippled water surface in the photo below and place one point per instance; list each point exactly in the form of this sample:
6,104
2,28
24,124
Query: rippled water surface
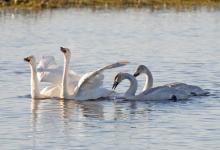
176,46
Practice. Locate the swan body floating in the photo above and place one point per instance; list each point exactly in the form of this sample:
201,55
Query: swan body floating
47,92
191,90
157,93
83,90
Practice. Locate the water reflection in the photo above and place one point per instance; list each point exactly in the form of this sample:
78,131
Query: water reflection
87,110
68,108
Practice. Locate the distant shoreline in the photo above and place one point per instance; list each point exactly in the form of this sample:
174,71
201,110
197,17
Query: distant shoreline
99,4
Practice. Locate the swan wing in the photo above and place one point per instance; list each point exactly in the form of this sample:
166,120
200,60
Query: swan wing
45,62
94,82
49,71
84,80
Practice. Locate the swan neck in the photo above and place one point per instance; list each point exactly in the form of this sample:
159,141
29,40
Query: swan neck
148,81
133,86
64,92
35,92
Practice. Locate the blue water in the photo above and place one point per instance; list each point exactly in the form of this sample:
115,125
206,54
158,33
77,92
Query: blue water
176,46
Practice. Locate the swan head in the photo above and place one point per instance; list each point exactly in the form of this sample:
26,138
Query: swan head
30,59
118,78
66,52
141,69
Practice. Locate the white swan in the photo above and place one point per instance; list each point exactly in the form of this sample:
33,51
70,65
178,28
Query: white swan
189,89
85,90
47,92
158,93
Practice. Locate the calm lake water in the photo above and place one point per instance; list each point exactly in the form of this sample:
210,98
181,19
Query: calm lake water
176,46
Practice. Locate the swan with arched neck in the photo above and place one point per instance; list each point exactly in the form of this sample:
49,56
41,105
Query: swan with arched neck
157,93
191,90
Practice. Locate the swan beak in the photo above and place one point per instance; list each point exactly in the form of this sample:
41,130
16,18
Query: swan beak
27,59
63,49
115,85
136,74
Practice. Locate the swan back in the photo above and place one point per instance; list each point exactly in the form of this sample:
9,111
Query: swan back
189,89
162,93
